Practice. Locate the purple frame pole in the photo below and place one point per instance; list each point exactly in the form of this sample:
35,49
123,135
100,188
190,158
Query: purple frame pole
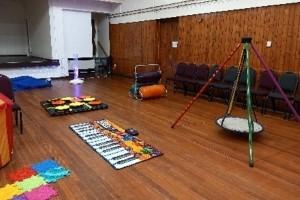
276,83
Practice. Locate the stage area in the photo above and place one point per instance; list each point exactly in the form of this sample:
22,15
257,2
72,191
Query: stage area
200,160
16,61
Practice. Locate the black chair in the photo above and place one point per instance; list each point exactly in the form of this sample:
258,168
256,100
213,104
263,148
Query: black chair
218,78
195,77
83,73
225,86
7,90
296,105
201,75
288,81
213,68
103,66
189,78
178,79
264,87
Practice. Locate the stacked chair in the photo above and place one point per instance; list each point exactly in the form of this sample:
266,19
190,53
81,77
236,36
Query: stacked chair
288,81
197,77
225,86
178,78
264,87
189,78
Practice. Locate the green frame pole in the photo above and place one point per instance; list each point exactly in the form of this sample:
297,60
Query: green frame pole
246,47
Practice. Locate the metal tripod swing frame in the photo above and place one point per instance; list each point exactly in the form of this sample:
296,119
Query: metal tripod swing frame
244,62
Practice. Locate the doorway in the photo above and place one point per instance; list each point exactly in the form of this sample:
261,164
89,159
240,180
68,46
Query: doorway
168,34
100,39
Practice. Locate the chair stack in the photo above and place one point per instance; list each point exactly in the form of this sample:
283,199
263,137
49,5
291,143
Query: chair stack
189,78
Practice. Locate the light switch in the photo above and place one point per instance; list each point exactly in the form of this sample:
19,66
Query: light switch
269,44
174,44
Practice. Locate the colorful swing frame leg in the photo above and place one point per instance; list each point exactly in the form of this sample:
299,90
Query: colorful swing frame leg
276,83
250,112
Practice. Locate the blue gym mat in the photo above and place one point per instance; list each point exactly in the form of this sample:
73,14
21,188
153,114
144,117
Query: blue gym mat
28,82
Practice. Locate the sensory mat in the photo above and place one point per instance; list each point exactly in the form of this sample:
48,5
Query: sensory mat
21,174
33,182
112,143
69,105
41,193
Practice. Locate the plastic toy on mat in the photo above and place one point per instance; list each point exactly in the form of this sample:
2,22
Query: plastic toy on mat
147,80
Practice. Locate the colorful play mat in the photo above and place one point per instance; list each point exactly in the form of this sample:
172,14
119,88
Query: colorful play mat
69,105
33,182
110,141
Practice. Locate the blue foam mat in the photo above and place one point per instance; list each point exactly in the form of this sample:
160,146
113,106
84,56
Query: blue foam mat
28,82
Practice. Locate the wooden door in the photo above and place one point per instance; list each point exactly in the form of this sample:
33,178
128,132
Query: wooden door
167,54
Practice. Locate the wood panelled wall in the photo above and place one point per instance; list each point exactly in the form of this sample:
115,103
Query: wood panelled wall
209,38
132,44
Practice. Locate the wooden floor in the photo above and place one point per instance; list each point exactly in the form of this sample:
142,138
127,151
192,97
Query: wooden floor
200,160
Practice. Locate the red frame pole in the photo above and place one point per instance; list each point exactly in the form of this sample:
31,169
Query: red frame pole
205,86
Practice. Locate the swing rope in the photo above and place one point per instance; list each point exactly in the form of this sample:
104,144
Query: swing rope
234,88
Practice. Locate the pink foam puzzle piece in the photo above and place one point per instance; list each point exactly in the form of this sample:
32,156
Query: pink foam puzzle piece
44,192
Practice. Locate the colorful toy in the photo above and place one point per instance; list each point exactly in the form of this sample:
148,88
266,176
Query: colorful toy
68,105
132,131
116,146
152,91
31,183
146,83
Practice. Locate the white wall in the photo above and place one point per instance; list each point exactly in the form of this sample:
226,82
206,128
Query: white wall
56,10
213,6
102,33
36,72
77,34
39,28
13,36
84,5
